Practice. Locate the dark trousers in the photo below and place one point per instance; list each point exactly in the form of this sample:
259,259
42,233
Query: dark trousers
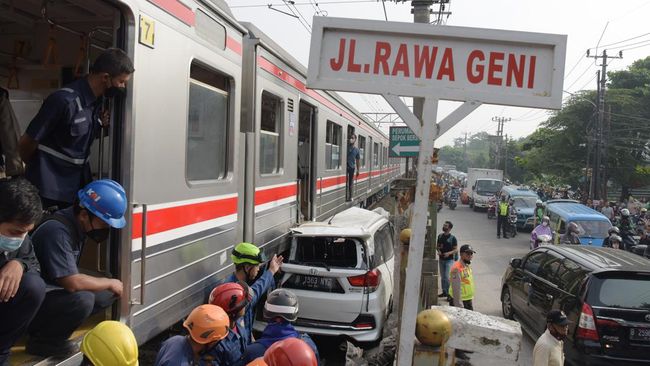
350,182
62,312
16,314
502,224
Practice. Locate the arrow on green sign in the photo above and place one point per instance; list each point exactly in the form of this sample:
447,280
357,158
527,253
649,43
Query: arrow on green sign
399,149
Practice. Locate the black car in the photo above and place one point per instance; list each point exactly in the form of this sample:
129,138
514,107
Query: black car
604,292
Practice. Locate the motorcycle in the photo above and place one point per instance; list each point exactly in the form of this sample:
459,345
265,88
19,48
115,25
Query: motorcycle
453,200
512,225
544,240
492,208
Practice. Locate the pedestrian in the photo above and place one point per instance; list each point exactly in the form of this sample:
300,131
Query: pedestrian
248,260
21,287
109,343
542,229
207,326
608,211
288,352
447,252
57,142
352,165
572,235
462,279
549,348
502,217
58,243
281,310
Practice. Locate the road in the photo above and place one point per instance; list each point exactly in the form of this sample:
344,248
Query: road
490,261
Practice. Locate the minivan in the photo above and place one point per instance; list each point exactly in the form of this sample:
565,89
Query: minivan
605,293
592,224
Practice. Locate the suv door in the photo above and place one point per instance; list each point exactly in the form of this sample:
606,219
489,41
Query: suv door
520,283
383,260
543,291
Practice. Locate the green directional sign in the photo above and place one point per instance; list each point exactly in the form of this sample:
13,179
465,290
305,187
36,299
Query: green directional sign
403,143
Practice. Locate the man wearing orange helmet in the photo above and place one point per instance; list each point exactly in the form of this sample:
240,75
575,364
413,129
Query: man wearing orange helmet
288,352
207,326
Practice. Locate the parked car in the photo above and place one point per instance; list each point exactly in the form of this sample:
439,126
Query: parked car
604,292
341,271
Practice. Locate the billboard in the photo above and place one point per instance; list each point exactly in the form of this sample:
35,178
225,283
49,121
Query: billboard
446,62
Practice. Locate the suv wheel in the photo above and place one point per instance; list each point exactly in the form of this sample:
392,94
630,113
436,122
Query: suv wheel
506,304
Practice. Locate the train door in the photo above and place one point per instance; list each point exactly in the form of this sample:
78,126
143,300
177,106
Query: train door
306,159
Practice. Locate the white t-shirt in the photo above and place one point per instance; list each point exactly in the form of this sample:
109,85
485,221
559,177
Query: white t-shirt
548,351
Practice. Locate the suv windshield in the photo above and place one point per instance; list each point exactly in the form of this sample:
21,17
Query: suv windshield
488,187
631,292
593,229
525,202
326,251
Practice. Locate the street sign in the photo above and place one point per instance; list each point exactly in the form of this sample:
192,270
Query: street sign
454,63
403,143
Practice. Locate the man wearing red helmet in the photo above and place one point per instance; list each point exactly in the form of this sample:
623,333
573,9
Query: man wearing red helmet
288,352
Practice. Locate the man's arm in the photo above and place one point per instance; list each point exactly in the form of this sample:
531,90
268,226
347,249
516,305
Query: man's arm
454,277
53,110
82,282
358,165
26,147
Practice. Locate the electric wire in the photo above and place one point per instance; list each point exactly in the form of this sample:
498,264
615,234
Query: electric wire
623,41
633,48
344,2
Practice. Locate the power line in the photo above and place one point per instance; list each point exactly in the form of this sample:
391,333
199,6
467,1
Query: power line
625,40
344,2
633,48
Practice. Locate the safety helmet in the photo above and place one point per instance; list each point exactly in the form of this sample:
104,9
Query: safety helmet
110,343
290,352
257,362
207,323
538,203
615,237
281,303
613,229
644,209
247,253
573,227
105,199
231,297
546,218
625,212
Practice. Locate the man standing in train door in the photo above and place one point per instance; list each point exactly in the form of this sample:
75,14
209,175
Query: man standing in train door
58,240
352,165
56,145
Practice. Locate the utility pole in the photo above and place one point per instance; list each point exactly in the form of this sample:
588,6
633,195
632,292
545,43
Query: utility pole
465,151
505,159
599,173
500,121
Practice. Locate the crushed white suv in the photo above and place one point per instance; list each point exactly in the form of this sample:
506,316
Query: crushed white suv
342,273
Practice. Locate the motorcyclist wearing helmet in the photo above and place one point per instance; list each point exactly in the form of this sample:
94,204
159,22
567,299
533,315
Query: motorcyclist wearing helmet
110,343
248,259
58,243
542,229
287,352
280,309
625,223
610,231
572,235
207,327
538,213
615,241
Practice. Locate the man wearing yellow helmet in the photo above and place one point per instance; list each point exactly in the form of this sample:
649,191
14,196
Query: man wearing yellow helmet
110,343
248,259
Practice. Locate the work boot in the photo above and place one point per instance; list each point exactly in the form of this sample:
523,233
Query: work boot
47,348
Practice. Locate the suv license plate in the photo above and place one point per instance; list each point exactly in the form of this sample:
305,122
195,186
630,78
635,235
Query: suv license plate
314,282
640,334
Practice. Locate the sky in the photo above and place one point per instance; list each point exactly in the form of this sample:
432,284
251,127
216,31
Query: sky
614,26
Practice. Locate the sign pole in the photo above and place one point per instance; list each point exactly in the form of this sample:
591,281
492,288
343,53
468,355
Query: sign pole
418,227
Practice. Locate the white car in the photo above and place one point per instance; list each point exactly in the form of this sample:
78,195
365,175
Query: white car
342,273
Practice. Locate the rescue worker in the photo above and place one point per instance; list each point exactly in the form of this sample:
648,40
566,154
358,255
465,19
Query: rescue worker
462,286
280,309
109,343
352,165
22,289
207,326
58,241
572,234
542,229
287,352
503,209
233,298
610,231
538,213
549,348
56,145
248,259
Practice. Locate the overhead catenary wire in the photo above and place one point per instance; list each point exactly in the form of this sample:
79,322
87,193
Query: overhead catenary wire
623,41
343,2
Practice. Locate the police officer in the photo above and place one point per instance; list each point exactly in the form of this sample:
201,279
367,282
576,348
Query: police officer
56,145
462,279
21,288
503,209
58,242
109,343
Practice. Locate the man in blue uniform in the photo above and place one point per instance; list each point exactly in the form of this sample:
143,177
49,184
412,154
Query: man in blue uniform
58,241
57,142
21,287
352,165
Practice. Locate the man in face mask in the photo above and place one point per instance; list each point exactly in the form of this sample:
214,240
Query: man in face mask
21,287
447,251
541,229
548,349
462,289
57,143
352,165
58,242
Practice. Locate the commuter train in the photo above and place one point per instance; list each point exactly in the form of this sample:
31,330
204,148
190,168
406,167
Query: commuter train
217,141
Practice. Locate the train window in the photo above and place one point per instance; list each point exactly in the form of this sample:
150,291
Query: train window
333,146
375,154
210,30
207,125
271,133
362,150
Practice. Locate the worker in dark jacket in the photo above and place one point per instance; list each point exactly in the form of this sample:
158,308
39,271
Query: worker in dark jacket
21,288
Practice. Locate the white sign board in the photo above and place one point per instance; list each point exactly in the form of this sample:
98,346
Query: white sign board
454,63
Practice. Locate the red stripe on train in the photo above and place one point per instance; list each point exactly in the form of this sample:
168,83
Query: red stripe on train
233,45
166,219
177,9
274,194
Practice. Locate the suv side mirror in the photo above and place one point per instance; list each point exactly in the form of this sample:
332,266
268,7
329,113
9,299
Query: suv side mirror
474,187
515,262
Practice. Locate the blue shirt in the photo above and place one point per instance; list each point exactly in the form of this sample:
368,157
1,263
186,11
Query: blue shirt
274,332
55,249
176,351
65,128
353,155
229,351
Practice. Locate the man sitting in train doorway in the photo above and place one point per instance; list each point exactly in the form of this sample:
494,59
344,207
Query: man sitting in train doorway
71,296
353,164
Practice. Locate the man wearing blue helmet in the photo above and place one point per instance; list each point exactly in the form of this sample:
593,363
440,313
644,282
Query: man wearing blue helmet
58,242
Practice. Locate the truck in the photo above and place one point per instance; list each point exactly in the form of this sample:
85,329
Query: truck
483,183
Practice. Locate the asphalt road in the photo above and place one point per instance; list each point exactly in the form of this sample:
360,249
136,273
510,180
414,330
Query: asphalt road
490,261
